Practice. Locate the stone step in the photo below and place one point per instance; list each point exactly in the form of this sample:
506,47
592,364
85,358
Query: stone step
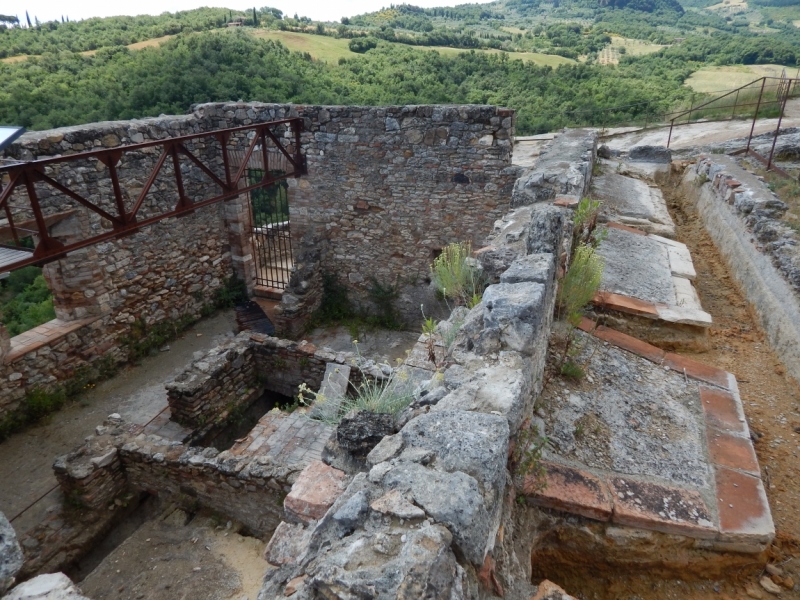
335,381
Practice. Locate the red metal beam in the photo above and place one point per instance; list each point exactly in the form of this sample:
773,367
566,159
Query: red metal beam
25,175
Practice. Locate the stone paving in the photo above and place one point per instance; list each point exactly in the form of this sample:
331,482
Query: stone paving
652,440
650,276
633,202
285,438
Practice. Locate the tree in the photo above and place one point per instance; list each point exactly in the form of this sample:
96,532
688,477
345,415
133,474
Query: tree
10,19
28,17
255,18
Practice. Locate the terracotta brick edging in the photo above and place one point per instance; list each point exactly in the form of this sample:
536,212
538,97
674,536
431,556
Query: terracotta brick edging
742,521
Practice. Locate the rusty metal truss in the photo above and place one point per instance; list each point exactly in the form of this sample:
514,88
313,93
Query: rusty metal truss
126,221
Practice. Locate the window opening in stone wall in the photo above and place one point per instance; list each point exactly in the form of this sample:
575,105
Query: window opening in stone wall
272,244
25,298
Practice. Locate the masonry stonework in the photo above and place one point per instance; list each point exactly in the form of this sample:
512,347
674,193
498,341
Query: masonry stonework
373,175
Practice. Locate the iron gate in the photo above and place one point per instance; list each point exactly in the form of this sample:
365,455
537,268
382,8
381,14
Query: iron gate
271,235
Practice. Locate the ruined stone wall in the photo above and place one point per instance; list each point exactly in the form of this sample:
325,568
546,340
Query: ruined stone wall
386,188
248,489
236,373
222,379
745,220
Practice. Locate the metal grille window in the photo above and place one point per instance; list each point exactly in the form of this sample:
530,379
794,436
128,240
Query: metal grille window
272,243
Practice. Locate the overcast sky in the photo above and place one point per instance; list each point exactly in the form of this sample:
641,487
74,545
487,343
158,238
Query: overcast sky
48,10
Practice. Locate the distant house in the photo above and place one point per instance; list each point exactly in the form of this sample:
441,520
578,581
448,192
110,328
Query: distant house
237,22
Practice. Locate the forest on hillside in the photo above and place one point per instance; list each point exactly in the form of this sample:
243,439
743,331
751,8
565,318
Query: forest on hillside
79,72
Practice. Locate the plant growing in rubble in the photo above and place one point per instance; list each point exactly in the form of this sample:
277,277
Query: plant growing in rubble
581,283
527,454
584,224
576,290
385,396
455,274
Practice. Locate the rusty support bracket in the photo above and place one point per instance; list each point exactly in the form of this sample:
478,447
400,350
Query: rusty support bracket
126,222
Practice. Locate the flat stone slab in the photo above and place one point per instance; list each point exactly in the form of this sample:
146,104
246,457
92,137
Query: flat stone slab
634,417
649,275
633,202
636,266
335,381
663,436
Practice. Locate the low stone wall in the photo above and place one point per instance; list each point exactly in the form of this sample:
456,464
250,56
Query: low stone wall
743,218
433,515
221,380
247,489
564,168
237,372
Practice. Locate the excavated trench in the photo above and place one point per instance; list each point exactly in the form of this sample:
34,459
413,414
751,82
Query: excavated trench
575,553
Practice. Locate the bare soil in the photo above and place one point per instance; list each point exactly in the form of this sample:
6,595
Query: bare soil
180,556
772,405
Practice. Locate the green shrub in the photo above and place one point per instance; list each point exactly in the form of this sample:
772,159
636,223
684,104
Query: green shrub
581,283
383,297
455,276
361,45
27,301
232,293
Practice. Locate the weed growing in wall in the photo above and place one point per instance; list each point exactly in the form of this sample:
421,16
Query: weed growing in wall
456,276
232,293
581,283
386,396
527,454
337,308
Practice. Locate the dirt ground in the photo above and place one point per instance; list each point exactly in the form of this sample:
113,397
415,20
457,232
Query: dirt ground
772,405
179,556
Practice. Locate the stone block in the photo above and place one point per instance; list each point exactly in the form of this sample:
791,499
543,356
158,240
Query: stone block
535,268
653,154
10,554
288,544
657,507
570,490
697,370
516,311
52,586
314,492
733,451
722,411
744,514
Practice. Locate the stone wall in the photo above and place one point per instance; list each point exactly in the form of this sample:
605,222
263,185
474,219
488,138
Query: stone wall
386,188
744,219
248,489
433,514
222,379
235,373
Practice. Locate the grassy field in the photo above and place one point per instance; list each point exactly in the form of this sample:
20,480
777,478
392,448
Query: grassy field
331,49
136,46
320,47
550,60
611,53
715,79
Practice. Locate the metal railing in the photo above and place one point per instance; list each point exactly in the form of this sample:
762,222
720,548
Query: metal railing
36,190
